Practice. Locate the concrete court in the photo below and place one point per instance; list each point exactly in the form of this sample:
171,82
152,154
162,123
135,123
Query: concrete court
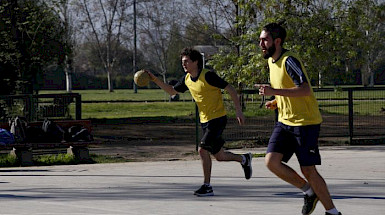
355,175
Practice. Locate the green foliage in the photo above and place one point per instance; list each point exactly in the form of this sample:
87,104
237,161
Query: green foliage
176,44
42,160
8,160
59,159
330,37
32,38
247,69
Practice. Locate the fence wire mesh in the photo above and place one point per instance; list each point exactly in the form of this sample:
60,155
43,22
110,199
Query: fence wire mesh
39,107
348,113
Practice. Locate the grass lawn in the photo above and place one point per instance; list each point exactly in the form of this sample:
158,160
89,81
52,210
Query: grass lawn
155,102
138,109
123,95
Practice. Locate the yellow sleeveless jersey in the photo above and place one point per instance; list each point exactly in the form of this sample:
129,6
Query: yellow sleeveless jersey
207,97
292,111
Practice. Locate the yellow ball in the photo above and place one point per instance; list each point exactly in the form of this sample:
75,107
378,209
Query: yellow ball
141,78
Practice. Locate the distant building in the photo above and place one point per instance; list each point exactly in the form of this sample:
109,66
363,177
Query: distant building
209,51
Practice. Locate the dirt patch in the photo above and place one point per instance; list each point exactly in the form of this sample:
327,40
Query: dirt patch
152,140
163,138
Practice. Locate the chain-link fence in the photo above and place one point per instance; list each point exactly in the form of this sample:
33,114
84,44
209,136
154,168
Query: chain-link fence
356,114
39,107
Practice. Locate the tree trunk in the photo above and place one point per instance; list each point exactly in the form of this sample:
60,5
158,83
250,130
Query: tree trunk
371,76
68,82
68,72
364,78
109,80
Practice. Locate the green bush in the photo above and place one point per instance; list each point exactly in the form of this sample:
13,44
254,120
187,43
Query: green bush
60,159
8,160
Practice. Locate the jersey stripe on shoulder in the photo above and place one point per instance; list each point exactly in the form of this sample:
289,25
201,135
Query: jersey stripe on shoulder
294,65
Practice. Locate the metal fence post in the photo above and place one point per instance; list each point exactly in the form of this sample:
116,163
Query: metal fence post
78,107
29,107
196,128
350,105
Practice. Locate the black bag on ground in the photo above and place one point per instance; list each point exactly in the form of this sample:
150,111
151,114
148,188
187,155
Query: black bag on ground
78,133
52,131
18,127
34,134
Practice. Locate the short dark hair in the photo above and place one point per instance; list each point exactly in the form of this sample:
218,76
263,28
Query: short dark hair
194,55
276,31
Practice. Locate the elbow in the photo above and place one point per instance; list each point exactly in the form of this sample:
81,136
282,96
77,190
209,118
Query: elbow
231,90
305,90
307,93
172,92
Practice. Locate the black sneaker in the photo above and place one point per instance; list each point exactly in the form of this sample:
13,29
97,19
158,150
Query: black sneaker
204,190
247,166
309,204
326,213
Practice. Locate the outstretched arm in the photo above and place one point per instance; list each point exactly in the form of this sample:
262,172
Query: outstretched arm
234,96
166,87
298,91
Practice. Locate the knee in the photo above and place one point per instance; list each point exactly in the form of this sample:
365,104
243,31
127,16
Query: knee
272,164
219,156
308,171
202,152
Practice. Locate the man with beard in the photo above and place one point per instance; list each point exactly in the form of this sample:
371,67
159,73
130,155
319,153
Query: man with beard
299,120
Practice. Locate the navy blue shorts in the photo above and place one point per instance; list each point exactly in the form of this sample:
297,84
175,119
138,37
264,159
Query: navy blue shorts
301,140
212,140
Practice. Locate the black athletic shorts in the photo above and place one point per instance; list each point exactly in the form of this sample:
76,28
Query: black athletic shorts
301,140
212,140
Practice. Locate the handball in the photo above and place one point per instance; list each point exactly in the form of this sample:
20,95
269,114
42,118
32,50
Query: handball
141,78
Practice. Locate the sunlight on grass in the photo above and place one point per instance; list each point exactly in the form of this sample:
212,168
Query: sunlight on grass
155,102
125,94
149,109
60,159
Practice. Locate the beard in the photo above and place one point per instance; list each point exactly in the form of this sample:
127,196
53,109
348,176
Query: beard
270,51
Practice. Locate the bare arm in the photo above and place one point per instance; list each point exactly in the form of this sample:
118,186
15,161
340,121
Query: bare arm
272,105
298,91
166,87
234,96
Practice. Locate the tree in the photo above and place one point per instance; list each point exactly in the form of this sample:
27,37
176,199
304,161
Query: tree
63,10
103,24
329,34
32,38
365,25
211,22
230,27
176,44
158,28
